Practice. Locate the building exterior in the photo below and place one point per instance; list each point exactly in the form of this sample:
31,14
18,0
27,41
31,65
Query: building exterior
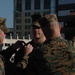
23,9
65,10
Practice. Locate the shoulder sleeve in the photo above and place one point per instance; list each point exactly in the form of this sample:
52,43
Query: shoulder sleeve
18,68
73,41
23,63
2,68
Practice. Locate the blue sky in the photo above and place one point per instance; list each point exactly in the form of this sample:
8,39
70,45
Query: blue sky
6,11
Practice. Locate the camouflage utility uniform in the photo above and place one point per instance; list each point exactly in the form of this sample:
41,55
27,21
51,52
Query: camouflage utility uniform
2,70
54,57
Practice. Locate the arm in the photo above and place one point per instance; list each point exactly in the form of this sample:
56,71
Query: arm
19,67
2,67
11,49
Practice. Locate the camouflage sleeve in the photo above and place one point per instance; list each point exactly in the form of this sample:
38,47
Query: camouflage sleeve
73,41
23,63
72,71
17,68
2,69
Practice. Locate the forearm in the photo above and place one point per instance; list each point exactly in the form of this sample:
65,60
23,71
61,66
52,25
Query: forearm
18,68
23,63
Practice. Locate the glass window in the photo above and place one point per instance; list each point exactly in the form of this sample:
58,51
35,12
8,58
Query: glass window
53,6
27,4
29,14
29,20
46,4
26,33
18,20
64,13
37,12
26,27
29,27
25,14
19,33
46,12
19,5
36,4
18,27
65,1
25,20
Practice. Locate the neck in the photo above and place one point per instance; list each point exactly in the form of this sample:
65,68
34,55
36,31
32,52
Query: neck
40,40
56,33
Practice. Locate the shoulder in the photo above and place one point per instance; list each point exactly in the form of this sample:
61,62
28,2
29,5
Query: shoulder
2,70
73,41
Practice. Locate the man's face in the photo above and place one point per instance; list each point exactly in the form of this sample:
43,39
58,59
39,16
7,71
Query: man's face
37,32
2,36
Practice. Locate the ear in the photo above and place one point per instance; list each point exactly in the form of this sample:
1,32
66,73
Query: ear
60,27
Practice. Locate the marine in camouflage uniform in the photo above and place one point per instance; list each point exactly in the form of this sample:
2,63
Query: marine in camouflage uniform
59,53
54,57
2,68
5,55
2,62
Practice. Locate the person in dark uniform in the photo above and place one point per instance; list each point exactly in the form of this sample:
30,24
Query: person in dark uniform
38,36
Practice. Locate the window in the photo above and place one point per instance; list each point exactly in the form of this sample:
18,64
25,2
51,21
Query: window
27,4
27,14
36,4
27,26
53,3
18,33
26,33
65,1
18,27
18,14
27,20
64,12
37,12
18,20
19,5
46,4
45,13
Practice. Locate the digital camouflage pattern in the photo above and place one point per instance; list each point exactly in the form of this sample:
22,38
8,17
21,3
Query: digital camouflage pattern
3,25
60,57
73,41
2,69
54,57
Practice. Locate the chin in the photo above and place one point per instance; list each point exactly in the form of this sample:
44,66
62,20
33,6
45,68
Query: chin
37,37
